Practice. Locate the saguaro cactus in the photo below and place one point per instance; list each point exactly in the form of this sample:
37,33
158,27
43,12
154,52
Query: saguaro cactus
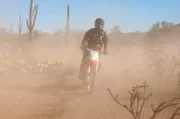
67,25
32,18
20,25
11,28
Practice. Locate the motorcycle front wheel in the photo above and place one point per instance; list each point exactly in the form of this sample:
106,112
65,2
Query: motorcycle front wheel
91,80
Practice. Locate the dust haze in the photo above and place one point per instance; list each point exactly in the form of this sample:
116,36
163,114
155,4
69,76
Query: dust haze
39,77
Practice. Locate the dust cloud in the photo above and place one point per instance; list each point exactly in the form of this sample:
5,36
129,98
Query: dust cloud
39,78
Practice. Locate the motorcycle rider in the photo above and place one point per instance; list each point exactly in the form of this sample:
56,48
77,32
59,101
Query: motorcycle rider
95,38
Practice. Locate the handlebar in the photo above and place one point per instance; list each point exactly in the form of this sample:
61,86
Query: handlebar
86,48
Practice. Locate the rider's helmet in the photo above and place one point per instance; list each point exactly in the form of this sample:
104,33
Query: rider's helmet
99,23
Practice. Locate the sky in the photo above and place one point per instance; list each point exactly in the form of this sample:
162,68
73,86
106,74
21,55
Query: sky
130,15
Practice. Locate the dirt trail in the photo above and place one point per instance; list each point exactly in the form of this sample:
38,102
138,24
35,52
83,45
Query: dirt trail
51,96
29,96
42,98
37,98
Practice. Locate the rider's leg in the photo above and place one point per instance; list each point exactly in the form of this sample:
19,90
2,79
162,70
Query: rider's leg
82,66
99,67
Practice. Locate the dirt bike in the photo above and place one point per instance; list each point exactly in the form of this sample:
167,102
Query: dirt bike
92,68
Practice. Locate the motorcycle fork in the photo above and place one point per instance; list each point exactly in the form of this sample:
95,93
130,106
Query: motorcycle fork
91,67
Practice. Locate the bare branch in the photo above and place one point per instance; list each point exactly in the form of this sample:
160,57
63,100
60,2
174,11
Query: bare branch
123,105
137,100
164,105
175,113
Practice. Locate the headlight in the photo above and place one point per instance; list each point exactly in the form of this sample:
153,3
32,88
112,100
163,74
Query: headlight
94,58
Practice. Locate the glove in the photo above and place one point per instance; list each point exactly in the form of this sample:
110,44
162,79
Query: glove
82,47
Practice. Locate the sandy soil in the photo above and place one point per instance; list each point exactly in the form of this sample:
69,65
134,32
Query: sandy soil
53,95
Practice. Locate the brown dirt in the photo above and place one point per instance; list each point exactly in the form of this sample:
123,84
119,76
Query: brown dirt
50,96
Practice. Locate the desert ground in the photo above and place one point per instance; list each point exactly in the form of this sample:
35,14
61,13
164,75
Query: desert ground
33,89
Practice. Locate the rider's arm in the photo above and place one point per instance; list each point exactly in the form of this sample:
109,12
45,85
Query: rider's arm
105,43
85,39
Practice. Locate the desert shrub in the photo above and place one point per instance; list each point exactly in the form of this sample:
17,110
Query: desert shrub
139,98
158,27
162,65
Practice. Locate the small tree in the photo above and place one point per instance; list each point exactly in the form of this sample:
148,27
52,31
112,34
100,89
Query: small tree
161,26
